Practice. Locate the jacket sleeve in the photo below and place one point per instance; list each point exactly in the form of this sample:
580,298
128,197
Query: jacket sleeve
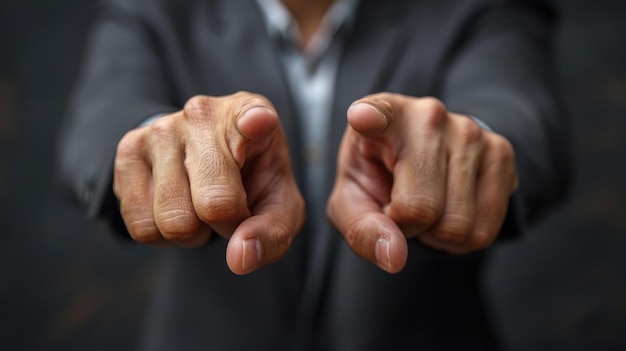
504,74
121,84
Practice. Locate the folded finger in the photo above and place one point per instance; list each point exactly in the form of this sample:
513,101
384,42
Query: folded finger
496,183
133,186
173,209
497,180
464,157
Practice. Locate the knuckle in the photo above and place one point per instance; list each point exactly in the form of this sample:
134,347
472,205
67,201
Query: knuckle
422,209
197,102
453,227
139,220
434,111
433,104
173,211
220,205
177,224
163,128
426,213
199,105
503,150
244,95
469,131
143,231
161,125
129,146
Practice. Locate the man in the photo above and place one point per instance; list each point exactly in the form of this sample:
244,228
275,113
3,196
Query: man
199,124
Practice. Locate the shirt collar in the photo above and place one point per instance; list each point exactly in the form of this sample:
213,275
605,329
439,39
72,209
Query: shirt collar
280,23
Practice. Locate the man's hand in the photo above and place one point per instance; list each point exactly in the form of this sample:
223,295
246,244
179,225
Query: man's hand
408,168
220,165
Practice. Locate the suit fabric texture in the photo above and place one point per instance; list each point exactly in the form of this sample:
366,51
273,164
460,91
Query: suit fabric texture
489,59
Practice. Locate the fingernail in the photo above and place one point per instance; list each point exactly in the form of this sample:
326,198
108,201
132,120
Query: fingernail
382,253
366,107
257,122
251,256
255,109
366,118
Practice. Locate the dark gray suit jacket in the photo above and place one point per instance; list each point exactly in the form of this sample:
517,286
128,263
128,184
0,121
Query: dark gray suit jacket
486,58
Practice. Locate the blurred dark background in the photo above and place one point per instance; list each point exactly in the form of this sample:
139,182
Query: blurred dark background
66,285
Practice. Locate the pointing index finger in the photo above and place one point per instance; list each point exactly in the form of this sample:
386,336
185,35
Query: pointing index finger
412,149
